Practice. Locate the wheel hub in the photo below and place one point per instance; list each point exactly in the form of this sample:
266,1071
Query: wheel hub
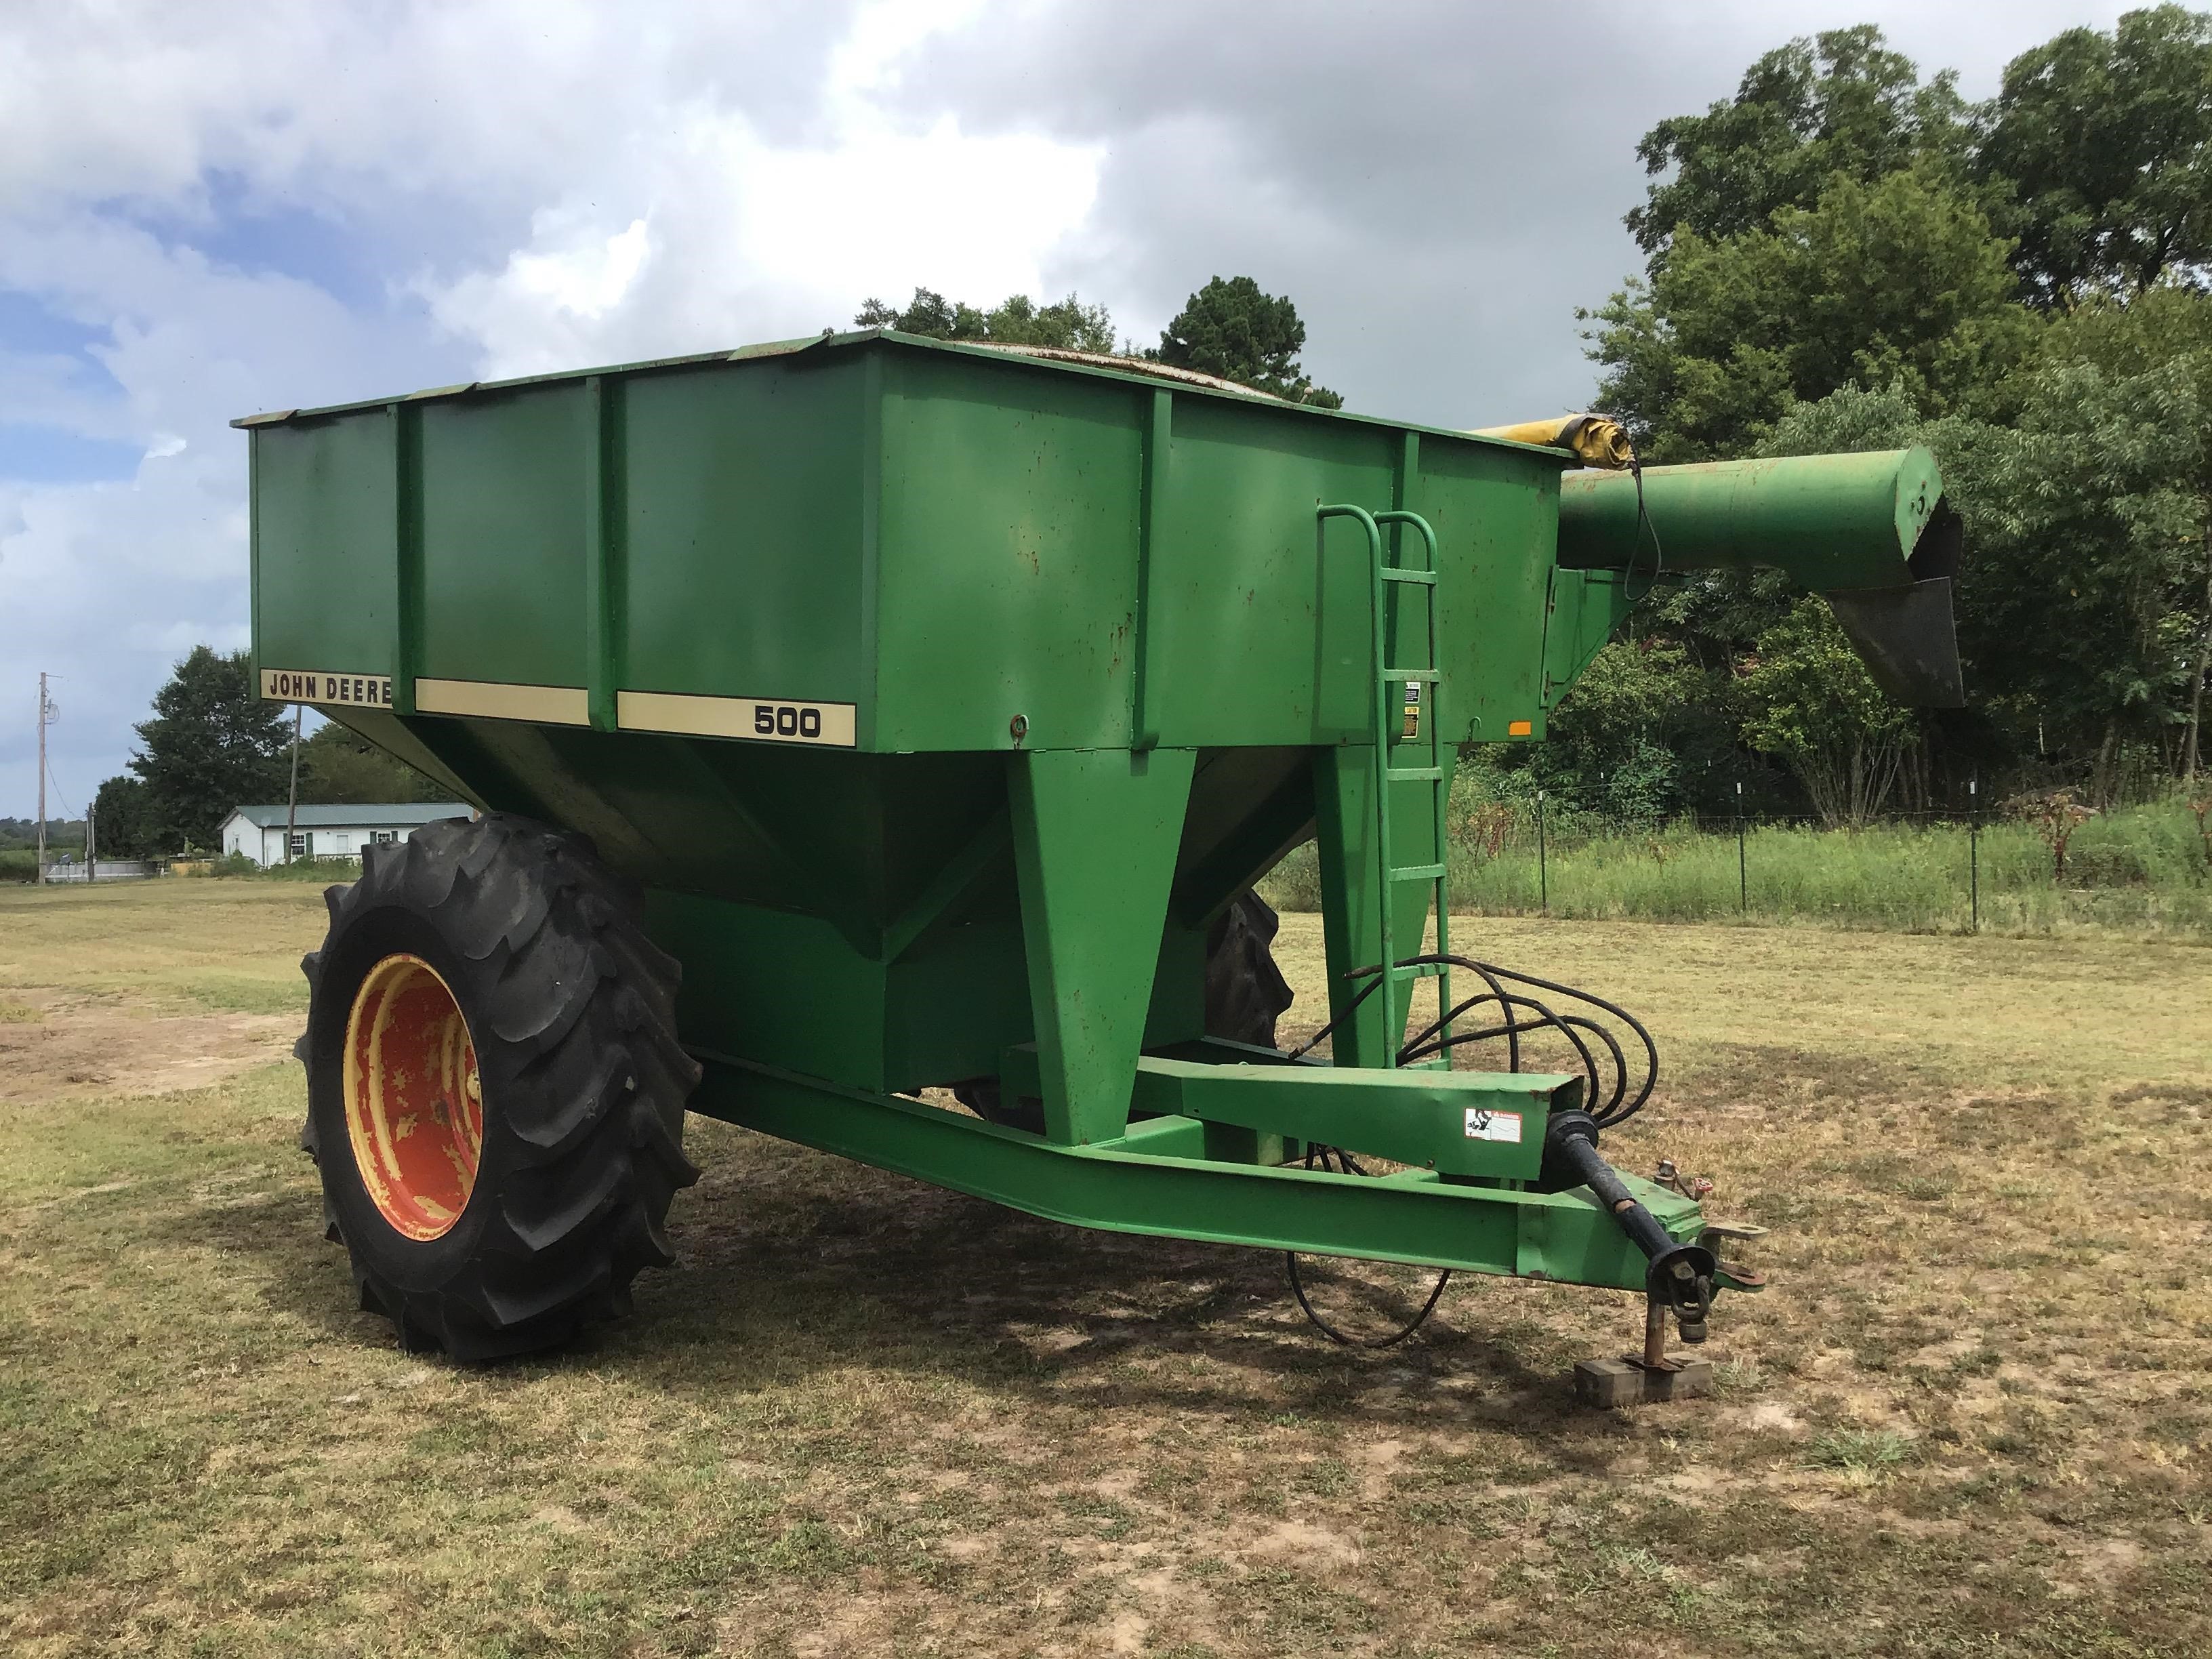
414,1103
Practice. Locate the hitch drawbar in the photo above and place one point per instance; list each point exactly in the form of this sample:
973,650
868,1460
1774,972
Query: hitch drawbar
1681,1276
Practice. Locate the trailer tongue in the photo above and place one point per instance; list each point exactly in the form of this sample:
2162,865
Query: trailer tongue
865,716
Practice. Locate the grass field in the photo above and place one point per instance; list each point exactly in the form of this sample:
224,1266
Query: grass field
866,1417
2146,871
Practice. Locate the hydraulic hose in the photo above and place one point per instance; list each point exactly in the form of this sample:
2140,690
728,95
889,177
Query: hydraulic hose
1617,1108
1681,1275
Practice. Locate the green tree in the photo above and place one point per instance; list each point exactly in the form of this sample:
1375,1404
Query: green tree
122,812
2098,509
2103,145
340,766
2085,596
1067,325
2167,327
1646,733
211,745
1843,256
1900,282
1818,712
1839,105
1230,329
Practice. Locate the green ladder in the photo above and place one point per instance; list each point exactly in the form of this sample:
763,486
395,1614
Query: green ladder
1389,683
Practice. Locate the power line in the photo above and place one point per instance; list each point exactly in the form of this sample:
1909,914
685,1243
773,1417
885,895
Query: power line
68,812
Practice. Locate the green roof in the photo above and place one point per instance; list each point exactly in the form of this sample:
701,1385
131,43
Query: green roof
369,815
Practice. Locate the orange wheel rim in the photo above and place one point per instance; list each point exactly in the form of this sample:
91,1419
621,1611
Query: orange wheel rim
414,1103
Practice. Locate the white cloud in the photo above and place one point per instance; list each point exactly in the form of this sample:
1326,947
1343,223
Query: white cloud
107,584
715,232
588,281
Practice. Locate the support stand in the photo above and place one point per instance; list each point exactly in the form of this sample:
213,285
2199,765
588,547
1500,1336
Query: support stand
1651,1376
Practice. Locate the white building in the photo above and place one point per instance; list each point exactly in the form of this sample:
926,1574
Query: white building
327,832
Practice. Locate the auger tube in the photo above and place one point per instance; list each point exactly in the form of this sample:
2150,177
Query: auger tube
1870,533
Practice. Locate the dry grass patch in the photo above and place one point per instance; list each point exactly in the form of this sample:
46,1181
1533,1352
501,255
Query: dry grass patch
869,1416
177,944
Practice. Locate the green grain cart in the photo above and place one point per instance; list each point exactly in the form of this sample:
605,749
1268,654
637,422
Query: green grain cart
861,716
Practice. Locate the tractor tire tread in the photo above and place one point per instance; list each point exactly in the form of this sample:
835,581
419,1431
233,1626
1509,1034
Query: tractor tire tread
573,1012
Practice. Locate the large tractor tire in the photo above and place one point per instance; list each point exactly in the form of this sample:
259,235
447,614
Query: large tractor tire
494,1090
1245,994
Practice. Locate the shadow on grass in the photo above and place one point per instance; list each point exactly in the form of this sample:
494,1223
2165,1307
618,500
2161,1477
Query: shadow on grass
795,1264
781,1279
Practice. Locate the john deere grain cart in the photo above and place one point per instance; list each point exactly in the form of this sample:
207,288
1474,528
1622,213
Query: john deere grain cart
861,716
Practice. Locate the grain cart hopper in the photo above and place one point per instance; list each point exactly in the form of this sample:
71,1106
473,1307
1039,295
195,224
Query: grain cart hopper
864,715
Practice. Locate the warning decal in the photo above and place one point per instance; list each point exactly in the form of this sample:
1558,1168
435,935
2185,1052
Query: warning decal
293,685
1482,1125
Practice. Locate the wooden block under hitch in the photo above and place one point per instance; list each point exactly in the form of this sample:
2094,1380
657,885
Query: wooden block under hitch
1612,1383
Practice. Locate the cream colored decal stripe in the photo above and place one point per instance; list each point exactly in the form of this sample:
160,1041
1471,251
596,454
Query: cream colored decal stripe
315,685
549,705
762,719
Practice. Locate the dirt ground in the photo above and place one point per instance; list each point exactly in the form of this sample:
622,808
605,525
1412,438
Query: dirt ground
146,990
53,1044
867,1416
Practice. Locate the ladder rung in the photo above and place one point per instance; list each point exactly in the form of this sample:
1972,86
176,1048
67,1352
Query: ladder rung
1417,872
1419,970
1392,573
1415,774
1427,676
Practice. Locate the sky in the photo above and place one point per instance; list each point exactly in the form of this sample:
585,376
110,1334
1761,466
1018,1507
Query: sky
207,210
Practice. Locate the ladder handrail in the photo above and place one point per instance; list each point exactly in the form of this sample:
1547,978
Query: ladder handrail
1439,786
1427,529
1383,681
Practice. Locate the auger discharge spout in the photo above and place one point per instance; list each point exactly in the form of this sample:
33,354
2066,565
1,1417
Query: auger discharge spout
1870,533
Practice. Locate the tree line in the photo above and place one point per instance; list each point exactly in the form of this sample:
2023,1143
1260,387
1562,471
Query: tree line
1229,329
1848,256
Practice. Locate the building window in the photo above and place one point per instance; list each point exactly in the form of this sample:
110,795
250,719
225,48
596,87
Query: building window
299,844
384,837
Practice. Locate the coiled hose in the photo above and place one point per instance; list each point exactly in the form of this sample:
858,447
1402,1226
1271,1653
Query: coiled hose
1437,1038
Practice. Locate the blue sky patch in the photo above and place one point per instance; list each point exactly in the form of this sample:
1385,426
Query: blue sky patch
251,232
47,454
28,326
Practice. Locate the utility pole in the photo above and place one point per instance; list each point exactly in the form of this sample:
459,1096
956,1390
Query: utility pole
292,795
91,843
43,718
